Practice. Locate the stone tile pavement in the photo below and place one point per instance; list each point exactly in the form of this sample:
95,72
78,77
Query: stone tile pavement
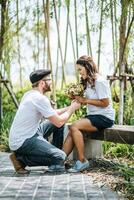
45,186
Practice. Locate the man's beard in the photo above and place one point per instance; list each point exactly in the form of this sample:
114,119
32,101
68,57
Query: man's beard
47,88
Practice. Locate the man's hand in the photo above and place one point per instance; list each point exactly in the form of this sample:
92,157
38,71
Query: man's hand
81,100
75,105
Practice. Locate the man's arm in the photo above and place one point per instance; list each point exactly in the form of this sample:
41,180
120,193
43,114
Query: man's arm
61,110
59,120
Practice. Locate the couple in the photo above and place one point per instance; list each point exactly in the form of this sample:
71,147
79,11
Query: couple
28,136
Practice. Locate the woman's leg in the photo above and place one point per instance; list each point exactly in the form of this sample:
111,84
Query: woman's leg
68,144
76,137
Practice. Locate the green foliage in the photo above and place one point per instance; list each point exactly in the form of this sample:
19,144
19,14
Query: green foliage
21,92
128,117
9,111
63,100
8,105
118,150
128,112
126,172
4,130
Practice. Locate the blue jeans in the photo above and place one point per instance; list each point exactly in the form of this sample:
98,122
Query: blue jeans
47,128
37,151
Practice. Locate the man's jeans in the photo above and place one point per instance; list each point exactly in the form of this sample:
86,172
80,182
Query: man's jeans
37,151
47,128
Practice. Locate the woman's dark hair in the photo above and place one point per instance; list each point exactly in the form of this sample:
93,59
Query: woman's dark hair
90,66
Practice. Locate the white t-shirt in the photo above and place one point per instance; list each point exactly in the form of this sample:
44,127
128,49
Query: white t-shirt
101,91
32,108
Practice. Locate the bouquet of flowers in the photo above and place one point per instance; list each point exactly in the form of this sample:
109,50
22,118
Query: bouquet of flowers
75,90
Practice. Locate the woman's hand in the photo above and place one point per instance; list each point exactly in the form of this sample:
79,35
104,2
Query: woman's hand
80,99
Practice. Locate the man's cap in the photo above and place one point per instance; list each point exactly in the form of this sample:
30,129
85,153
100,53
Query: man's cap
39,74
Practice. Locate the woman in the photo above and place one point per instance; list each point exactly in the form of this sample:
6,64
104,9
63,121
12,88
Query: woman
100,113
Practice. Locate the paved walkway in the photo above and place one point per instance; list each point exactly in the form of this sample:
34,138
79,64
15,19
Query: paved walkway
43,186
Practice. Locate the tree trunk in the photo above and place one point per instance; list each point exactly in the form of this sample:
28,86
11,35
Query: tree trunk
44,40
89,48
71,35
122,57
46,14
37,36
76,29
18,44
100,34
3,11
112,24
44,48
62,61
57,59
66,40
116,36
73,47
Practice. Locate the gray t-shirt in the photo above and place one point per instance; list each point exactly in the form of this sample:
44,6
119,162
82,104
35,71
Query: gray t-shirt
100,91
32,108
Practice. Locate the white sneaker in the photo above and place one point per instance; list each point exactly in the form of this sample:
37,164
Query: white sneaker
56,168
79,166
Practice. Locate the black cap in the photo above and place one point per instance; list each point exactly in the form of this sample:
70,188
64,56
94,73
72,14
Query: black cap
39,74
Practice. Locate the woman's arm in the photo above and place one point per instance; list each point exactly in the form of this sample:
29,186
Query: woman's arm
98,102
94,102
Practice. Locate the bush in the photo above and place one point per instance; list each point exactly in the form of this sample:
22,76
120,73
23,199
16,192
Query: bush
4,131
128,116
9,111
118,150
63,100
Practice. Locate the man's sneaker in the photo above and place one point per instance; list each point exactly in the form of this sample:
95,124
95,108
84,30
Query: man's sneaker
56,168
17,165
79,166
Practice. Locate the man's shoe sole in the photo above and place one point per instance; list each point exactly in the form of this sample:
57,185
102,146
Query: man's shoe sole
22,171
17,165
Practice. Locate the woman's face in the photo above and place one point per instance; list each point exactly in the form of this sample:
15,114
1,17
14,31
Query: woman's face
82,71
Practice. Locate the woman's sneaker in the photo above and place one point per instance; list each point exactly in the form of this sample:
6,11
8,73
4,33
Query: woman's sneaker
79,166
56,168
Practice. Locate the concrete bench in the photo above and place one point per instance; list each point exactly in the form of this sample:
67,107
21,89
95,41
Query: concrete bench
93,141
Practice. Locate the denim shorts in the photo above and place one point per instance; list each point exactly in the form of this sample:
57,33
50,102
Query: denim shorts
100,121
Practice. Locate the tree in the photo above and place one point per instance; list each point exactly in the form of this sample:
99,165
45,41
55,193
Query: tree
122,51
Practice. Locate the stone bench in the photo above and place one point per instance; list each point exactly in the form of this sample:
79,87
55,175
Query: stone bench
93,141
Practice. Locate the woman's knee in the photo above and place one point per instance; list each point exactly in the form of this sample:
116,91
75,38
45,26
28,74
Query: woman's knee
73,127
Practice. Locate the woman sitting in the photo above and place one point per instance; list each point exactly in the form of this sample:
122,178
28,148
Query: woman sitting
100,113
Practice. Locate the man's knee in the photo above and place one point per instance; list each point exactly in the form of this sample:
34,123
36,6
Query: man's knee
57,153
63,155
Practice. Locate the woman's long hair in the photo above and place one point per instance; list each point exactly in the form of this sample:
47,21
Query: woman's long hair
90,66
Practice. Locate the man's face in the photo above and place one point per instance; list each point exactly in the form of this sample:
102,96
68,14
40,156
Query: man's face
47,84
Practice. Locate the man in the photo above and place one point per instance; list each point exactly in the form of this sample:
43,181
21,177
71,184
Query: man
27,138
